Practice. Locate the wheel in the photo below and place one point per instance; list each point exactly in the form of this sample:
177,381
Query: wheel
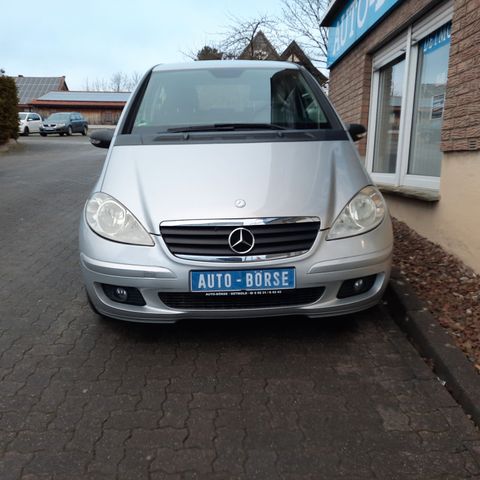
85,130
69,131
43,134
61,134
26,131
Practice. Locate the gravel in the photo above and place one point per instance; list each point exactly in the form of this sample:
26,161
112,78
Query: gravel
450,289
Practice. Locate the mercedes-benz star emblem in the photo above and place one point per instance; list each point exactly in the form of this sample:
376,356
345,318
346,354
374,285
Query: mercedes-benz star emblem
241,240
240,203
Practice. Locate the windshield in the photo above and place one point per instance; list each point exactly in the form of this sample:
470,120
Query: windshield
22,116
58,117
219,97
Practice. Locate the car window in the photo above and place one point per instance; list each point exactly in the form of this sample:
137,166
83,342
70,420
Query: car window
35,117
22,116
229,95
58,117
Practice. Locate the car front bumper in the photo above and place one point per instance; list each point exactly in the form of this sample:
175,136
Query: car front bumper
54,130
154,269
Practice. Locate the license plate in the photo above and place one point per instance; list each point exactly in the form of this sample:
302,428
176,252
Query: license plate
242,280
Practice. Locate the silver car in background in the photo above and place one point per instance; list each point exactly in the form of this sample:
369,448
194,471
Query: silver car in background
232,189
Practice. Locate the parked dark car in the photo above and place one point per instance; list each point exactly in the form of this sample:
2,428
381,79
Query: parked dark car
64,123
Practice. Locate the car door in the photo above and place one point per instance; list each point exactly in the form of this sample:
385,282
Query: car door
73,122
36,122
31,124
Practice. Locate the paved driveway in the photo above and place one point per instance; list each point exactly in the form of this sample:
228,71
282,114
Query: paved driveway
84,398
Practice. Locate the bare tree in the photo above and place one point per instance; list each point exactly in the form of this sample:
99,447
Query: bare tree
97,85
130,82
119,82
302,22
239,35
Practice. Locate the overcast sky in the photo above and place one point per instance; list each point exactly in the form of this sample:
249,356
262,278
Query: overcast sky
94,39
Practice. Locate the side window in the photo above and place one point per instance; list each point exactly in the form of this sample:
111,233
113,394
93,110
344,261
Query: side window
36,117
30,117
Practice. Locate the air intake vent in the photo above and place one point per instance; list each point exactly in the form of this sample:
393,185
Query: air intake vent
240,300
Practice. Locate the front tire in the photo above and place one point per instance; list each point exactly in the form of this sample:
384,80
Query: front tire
69,131
26,132
84,131
43,134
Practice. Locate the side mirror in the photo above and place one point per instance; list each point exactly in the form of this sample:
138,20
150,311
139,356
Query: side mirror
356,131
101,138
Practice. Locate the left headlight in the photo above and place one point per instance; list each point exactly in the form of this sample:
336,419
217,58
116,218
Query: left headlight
363,213
110,219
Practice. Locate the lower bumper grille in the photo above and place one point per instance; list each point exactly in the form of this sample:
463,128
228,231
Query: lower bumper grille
240,300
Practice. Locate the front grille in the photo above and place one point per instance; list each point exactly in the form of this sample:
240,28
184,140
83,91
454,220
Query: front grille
240,300
212,240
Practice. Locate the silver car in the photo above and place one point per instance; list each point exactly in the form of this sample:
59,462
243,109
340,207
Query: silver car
232,189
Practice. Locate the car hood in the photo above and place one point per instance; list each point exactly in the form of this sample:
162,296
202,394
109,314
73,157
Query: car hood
203,181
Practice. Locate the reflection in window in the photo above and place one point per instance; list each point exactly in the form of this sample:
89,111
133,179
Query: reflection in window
209,96
388,117
425,153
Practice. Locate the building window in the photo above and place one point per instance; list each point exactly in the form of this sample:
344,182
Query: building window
407,103
389,111
425,156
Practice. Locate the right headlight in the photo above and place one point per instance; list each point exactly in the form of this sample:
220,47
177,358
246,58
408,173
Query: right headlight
363,213
108,218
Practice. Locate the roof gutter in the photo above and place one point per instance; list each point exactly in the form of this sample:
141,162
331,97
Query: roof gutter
333,10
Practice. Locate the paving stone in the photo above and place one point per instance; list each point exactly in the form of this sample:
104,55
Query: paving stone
86,399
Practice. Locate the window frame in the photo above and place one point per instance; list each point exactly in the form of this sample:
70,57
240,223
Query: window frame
405,44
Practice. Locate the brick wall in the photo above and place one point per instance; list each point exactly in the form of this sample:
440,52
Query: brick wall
461,123
350,78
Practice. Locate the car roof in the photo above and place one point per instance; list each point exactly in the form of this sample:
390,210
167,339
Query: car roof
250,64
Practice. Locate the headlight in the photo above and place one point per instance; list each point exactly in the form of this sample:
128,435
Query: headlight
363,213
60,125
110,219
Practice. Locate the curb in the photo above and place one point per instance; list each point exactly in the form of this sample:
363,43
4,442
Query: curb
432,342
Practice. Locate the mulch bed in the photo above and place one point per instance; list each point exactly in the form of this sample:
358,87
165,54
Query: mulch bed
450,289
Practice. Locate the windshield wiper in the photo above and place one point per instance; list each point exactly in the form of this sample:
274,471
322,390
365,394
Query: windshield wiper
220,127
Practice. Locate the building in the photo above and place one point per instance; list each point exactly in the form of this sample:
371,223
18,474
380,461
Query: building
30,88
260,48
99,108
409,71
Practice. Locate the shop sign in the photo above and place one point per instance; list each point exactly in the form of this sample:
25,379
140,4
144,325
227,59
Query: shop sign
352,23
437,39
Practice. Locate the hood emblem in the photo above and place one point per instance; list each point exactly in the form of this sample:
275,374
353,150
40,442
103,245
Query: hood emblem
241,240
240,203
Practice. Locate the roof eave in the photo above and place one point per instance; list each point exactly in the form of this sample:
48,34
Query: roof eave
332,11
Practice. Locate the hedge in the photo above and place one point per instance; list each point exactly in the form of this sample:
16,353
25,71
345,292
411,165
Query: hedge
8,109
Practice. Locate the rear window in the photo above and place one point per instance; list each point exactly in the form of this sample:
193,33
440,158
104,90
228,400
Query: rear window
196,97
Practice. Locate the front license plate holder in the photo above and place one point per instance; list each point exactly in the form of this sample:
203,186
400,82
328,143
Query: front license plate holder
254,280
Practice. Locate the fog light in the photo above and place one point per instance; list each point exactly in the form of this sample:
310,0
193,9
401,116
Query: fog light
121,294
356,286
126,295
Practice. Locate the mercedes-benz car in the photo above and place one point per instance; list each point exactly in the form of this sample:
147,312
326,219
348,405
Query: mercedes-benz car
232,189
